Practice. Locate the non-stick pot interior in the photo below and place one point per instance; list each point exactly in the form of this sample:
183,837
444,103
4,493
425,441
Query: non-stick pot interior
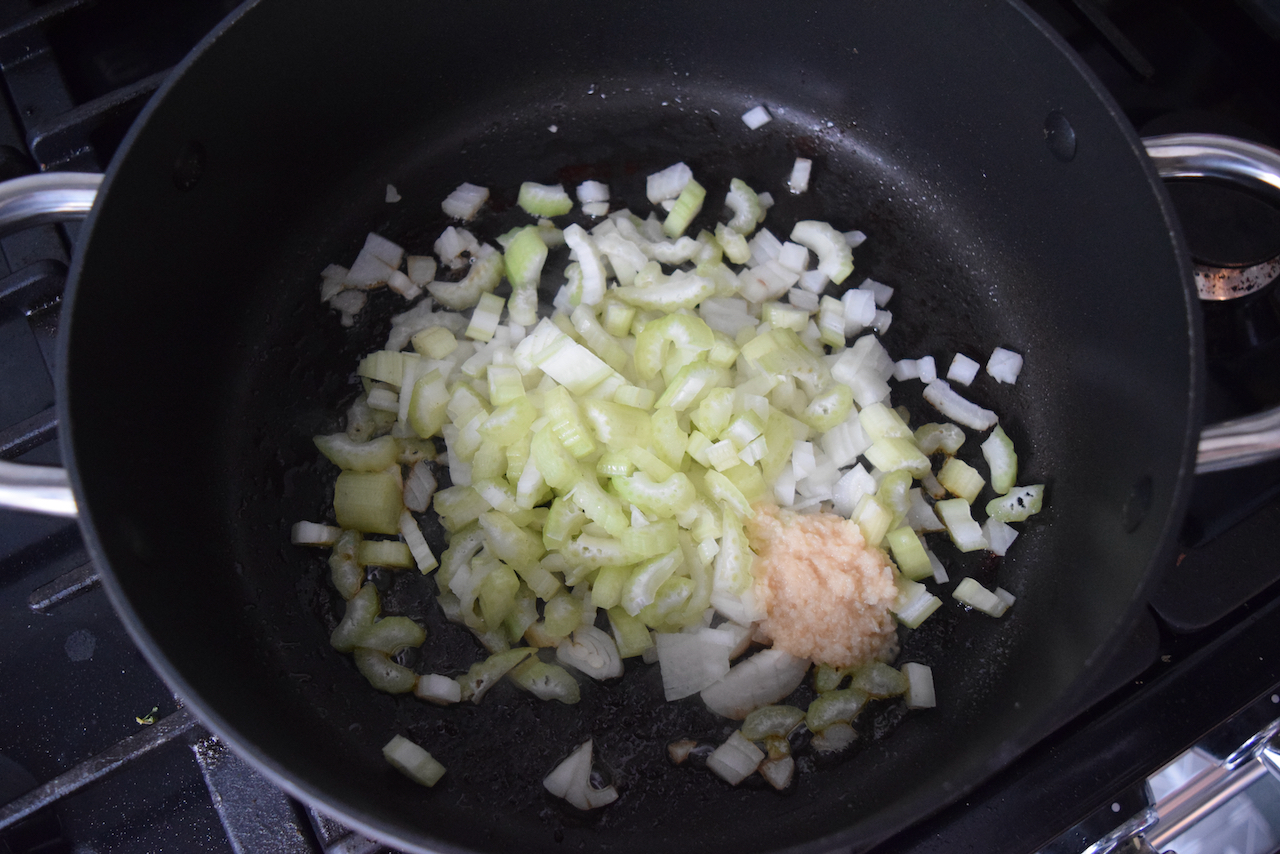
200,361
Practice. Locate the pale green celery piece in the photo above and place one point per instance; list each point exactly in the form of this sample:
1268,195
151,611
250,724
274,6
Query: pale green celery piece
898,454
562,614
518,456
973,594
652,539
524,258
392,634
489,461
667,609
722,455
678,358
733,243
706,522
914,603
497,594
485,275
743,430
709,251
766,721
383,673
618,317
590,552
510,542
345,571
873,519
1020,503
783,316
362,609
458,506
879,680
748,481
669,441
642,586
828,408
827,678
384,366
895,494
839,706
721,489
464,404
615,464
961,479
565,420
505,384
645,461
558,466
412,761
779,438
701,574
594,336
1000,456
746,207
546,681
630,395
733,563
909,554
956,514
600,507
373,455
606,590
522,616
435,342
483,675
831,322
881,422
835,257
463,545
698,448
544,200
368,501
687,206
509,422
540,580
669,498
486,317
723,353
616,425
754,451
683,290
790,358
466,441
390,553
630,634
564,520
571,364
682,331
429,404
933,438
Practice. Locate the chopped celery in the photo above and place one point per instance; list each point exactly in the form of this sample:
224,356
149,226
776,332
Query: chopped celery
606,589
1000,457
961,479
746,207
641,588
392,553
524,257
370,502
669,440
835,258
768,721
358,619
544,200
682,331
392,634
687,206
933,438
629,633
497,594
373,455
909,554
973,594
345,571
879,680
616,425
914,603
434,342
965,532
652,539
485,318
898,454
839,706
483,675
412,761
546,681
383,673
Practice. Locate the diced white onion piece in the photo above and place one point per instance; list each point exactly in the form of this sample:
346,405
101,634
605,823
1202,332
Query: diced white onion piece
965,532
465,202
882,292
803,460
958,409
403,285
800,171
764,678
314,534
417,543
384,399
1005,596
778,772
850,489
691,661
369,268
814,281
764,246
963,369
834,738
882,321
793,256
667,184
592,651
735,760
906,369
804,298
419,486
766,199
596,209
756,117
593,191
421,269
920,515
1004,365
919,693
999,535
784,487
571,780
928,369
452,244
973,594
939,571
854,238
411,760
859,310
392,195
438,689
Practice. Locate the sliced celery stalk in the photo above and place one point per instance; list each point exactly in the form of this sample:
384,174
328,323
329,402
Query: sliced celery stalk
392,634
961,479
1018,505
1000,457
370,502
687,206
965,532
775,721
909,554
412,761
524,257
746,207
879,680
544,200
358,619
483,675
914,603
835,257
642,586
973,594
629,633
392,553
373,455
839,706
546,681
383,673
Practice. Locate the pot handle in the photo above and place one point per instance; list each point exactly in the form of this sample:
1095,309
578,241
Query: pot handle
25,202
1256,168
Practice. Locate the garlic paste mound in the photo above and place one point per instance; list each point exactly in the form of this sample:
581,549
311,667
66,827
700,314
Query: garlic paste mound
825,592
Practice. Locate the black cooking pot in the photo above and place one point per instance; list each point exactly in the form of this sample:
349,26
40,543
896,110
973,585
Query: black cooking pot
1003,195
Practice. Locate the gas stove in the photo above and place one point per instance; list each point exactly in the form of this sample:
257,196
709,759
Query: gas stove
97,755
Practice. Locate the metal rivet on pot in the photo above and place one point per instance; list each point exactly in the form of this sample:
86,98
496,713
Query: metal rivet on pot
1060,136
189,167
1138,503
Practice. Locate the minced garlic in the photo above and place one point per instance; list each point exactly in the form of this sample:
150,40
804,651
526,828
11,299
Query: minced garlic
825,592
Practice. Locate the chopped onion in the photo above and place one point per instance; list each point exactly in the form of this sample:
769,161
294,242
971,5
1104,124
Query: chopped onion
735,760
764,678
412,761
963,369
438,689
949,403
1004,365
919,686
591,651
465,202
799,180
779,772
314,534
756,117
571,780
419,487
392,195
691,661
668,183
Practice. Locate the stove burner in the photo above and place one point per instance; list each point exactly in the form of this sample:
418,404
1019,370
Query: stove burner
1228,283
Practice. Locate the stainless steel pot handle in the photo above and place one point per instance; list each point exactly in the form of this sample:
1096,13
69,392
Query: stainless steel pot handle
25,202
1256,438
58,196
